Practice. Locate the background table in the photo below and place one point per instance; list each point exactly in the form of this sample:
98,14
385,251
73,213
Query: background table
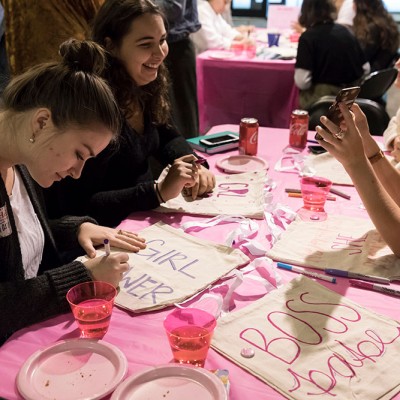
141,336
230,89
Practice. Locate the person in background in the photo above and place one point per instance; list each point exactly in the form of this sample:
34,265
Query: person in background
35,29
215,32
54,117
182,19
227,16
375,178
377,32
329,57
391,135
227,13
120,181
345,14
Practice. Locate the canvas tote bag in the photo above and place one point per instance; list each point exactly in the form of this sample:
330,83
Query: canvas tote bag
173,267
312,343
341,242
237,194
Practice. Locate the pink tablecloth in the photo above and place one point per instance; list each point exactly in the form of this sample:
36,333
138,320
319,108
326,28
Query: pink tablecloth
231,89
141,336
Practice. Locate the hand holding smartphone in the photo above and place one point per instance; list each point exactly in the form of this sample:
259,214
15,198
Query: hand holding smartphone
347,96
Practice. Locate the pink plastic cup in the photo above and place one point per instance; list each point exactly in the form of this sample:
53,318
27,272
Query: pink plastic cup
251,50
189,333
237,48
314,191
92,304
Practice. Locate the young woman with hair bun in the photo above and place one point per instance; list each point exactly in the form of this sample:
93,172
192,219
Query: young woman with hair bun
54,117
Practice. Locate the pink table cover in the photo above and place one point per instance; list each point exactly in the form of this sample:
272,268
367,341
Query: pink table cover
141,336
231,89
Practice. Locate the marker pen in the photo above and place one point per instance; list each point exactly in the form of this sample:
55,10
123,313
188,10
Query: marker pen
348,274
200,161
339,193
107,247
302,271
375,288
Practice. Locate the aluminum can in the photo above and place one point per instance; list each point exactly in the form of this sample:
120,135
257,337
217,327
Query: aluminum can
298,129
248,136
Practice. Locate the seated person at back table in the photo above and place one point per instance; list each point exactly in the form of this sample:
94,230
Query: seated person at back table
391,135
329,57
42,142
345,14
120,181
215,32
375,178
377,32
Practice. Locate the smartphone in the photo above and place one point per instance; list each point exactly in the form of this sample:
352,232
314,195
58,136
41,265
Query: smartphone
347,96
316,149
217,141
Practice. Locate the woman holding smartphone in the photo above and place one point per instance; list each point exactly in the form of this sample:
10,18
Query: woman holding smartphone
374,177
120,181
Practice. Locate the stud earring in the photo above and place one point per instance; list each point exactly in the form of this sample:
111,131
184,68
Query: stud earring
32,139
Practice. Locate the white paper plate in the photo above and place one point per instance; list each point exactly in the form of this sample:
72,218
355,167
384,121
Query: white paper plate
72,369
220,54
242,163
171,382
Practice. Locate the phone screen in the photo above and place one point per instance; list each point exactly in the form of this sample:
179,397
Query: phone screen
347,96
219,140
316,149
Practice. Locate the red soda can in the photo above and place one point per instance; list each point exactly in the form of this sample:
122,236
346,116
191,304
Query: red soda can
298,129
248,136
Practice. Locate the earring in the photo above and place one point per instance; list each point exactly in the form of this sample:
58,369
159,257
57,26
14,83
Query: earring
32,138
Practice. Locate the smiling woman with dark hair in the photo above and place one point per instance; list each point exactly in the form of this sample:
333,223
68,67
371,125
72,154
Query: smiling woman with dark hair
120,181
329,57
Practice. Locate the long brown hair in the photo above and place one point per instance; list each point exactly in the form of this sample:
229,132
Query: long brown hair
315,12
71,89
114,20
373,13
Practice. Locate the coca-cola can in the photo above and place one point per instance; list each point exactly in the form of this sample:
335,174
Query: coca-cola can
298,129
248,136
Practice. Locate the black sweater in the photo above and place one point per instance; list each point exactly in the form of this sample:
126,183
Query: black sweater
119,180
26,301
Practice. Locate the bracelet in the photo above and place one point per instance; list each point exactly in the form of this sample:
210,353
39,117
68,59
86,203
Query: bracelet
376,157
159,194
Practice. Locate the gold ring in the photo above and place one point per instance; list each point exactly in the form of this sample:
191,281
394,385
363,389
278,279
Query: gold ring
120,232
339,135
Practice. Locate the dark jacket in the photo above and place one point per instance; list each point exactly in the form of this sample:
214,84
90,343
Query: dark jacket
119,180
27,301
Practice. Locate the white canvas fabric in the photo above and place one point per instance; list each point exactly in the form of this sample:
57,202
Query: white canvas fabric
173,267
312,343
237,194
341,242
327,166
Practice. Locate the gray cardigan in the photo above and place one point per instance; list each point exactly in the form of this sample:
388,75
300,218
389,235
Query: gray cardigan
27,301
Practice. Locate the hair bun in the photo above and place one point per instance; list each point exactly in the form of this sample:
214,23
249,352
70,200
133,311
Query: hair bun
83,55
